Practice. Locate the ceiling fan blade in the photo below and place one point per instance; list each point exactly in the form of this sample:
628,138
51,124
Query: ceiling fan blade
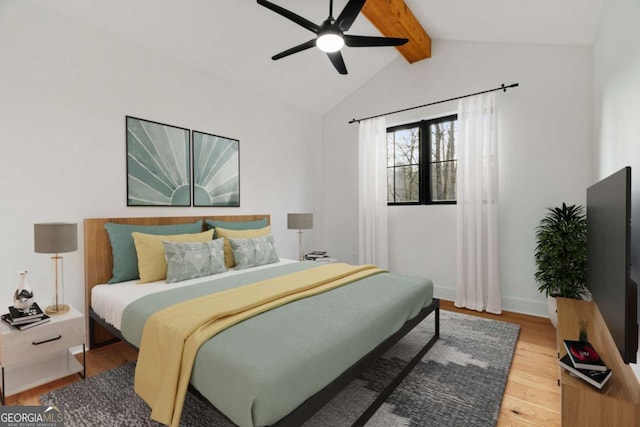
291,16
349,14
338,62
295,49
369,41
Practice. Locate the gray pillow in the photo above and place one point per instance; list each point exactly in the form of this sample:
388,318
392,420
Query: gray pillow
123,250
254,251
187,260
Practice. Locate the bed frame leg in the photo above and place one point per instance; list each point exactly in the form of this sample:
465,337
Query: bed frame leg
92,335
100,332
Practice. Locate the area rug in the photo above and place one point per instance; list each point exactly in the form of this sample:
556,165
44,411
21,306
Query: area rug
460,382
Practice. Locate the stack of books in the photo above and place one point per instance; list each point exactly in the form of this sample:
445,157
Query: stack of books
25,319
584,362
319,256
315,255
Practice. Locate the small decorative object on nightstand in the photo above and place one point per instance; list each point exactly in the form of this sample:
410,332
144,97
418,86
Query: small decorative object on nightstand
25,319
23,296
36,356
56,238
319,256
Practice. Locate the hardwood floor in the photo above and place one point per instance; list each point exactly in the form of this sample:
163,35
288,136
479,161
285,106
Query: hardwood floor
98,361
531,398
532,394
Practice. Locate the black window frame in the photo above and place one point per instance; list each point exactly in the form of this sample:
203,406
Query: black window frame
425,188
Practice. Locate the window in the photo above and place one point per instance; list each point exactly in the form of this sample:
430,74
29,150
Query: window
421,162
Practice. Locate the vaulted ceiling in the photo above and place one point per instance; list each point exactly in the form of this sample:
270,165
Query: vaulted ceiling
233,40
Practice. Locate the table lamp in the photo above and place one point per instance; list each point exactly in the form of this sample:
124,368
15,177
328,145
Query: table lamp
56,238
300,221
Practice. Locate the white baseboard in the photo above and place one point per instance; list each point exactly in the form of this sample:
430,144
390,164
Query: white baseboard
518,305
444,293
525,306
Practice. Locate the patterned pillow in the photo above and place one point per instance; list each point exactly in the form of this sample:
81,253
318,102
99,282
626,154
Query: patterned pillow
193,259
238,234
253,252
152,264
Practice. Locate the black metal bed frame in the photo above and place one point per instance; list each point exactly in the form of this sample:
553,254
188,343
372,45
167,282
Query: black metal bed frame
305,411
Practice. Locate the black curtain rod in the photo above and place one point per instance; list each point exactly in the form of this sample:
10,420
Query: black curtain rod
502,87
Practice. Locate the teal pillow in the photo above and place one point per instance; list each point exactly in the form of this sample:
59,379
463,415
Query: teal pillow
235,225
188,260
253,252
125,259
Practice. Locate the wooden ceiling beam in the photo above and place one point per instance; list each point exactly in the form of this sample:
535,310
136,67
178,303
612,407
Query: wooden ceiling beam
393,18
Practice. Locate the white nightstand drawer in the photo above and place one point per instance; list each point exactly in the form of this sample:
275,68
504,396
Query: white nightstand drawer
62,332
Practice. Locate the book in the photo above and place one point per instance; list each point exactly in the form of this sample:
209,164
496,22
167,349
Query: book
19,316
29,325
584,356
25,325
596,378
313,257
15,322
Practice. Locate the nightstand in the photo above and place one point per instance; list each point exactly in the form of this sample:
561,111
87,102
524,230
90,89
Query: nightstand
326,260
41,354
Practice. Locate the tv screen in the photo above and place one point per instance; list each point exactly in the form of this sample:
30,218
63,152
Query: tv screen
609,259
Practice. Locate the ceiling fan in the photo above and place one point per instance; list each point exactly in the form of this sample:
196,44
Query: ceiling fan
330,37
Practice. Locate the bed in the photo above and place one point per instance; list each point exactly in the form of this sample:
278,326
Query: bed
227,364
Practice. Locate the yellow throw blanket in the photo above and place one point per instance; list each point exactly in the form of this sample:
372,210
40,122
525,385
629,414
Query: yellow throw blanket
172,336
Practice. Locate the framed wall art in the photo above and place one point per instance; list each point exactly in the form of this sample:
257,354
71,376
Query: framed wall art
158,164
216,170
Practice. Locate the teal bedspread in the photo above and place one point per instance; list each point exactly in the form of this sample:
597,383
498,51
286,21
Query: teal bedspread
259,370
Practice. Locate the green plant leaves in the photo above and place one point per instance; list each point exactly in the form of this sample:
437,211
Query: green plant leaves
561,252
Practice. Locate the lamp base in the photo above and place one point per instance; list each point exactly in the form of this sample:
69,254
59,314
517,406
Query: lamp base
57,309
300,254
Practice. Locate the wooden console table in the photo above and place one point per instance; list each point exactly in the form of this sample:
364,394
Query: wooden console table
618,403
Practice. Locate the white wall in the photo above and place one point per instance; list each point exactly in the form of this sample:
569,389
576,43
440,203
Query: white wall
545,134
617,107
65,89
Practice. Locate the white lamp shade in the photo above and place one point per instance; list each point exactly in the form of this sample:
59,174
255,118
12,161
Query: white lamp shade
55,237
299,221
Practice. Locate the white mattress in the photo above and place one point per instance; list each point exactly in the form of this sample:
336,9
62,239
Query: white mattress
109,301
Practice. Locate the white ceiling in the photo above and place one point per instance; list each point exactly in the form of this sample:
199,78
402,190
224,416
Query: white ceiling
235,39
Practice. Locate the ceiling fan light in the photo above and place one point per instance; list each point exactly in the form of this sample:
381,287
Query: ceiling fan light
329,42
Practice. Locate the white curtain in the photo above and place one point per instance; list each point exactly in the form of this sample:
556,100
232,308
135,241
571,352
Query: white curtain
372,198
478,278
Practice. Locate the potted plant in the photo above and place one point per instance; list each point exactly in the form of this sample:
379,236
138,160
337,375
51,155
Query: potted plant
561,255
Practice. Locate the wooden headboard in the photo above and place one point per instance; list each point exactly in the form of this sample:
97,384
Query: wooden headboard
98,261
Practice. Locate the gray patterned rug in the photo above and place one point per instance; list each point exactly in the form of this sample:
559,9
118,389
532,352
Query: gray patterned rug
459,382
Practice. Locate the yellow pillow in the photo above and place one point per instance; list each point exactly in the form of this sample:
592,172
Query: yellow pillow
152,263
229,260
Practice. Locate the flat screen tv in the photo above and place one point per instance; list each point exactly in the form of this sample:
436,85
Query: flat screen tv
609,259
